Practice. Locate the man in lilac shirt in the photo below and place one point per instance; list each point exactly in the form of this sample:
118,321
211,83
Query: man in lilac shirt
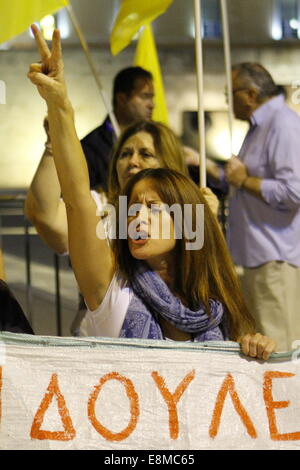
264,207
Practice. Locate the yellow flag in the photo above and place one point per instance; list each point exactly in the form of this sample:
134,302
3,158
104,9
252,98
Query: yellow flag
132,15
17,15
146,57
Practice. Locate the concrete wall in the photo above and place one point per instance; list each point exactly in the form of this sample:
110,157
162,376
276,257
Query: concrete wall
21,133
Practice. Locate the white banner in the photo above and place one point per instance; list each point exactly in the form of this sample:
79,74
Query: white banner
65,393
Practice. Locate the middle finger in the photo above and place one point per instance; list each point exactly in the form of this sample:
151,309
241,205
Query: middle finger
56,47
261,346
253,345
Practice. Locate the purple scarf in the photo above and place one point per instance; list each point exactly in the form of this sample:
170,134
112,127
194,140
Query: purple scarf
152,298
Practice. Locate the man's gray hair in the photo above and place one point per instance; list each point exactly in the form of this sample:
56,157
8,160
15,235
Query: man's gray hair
256,76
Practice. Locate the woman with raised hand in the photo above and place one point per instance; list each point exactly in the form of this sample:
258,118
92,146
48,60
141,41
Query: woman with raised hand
210,311
147,144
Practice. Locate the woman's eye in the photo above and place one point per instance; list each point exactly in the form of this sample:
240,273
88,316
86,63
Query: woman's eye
124,154
146,154
156,209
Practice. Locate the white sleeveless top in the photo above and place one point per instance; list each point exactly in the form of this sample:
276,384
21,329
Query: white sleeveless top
108,318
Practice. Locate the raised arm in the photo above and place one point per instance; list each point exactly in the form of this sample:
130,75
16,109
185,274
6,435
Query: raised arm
44,206
91,256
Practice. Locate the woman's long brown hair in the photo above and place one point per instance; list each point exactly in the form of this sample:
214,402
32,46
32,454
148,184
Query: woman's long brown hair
167,146
207,273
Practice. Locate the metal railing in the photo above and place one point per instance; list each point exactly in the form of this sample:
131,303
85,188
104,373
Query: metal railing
13,205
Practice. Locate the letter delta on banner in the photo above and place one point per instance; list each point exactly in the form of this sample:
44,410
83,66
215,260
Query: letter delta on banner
17,15
115,394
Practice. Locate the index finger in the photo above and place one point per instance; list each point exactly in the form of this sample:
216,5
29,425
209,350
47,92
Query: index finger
40,42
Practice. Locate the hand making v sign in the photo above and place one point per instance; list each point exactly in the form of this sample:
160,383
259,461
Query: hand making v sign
48,74
84,222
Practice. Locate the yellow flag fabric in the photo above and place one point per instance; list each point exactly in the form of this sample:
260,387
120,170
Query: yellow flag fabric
17,15
146,57
132,15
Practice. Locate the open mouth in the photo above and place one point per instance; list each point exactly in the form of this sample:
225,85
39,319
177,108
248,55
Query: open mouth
140,238
141,235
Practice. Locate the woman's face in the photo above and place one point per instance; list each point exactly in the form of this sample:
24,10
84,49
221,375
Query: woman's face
137,153
151,234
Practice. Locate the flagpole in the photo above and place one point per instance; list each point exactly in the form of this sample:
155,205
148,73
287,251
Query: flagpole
201,118
88,55
226,41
